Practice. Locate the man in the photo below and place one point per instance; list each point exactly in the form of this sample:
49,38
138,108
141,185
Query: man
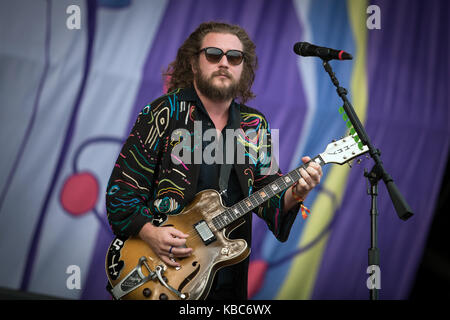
213,67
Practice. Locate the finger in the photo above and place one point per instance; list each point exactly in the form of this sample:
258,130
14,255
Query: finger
176,242
305,175
317,167
182,252
171,249
168,249
177,233
171,238
169,261
314,174
304,187
306,159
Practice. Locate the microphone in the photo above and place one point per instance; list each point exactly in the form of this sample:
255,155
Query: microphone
306,49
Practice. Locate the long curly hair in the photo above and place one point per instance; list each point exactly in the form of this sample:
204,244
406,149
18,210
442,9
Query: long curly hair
179,72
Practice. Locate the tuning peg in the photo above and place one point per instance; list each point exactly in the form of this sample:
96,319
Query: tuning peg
358,161
350,164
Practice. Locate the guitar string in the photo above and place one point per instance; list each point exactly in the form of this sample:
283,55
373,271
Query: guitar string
193,234
281,185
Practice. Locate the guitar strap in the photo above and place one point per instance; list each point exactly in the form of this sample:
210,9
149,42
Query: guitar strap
225,169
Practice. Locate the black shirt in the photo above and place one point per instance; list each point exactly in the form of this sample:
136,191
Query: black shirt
229,282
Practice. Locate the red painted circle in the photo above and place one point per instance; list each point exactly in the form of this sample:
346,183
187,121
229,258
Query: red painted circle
79,193
256,274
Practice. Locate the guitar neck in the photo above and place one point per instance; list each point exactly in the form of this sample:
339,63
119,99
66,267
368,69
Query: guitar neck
259,197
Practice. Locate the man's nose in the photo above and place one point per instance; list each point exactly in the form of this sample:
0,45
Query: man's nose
223,62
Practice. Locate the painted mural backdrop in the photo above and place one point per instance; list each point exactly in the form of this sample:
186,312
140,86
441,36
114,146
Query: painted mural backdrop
70,93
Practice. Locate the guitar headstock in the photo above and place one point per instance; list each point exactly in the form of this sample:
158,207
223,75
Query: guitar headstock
342,151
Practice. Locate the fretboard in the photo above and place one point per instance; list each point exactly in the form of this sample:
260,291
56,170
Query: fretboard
259,197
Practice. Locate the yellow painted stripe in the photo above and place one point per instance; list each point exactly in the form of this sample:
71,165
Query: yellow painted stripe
358,16
299,283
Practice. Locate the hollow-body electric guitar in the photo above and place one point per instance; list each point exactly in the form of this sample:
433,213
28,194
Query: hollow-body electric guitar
135,272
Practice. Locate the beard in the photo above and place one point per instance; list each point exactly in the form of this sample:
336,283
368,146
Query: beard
213,92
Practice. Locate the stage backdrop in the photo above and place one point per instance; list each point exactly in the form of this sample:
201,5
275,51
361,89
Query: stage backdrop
70,92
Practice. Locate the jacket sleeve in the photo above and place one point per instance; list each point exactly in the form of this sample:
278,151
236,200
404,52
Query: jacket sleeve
267,171
132,180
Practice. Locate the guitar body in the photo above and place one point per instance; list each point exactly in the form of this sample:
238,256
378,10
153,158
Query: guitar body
195,277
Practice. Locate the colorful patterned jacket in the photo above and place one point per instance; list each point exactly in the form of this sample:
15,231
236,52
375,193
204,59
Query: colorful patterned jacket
149,177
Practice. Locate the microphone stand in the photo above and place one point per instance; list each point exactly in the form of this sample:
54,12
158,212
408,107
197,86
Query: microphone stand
377,173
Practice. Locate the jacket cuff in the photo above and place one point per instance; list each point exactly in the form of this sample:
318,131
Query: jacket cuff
287,221
136,225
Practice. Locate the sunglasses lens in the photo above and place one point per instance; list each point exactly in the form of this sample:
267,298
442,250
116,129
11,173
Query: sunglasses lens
213,54
234,57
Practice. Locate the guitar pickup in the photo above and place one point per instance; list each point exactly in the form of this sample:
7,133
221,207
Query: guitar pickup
204,232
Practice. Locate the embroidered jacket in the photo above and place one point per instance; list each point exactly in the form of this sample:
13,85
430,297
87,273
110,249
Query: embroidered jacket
157,169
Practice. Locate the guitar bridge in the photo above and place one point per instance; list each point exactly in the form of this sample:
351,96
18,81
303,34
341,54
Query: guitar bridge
204,232
133,280
159,270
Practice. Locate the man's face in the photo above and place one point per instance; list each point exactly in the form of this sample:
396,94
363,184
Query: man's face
218,81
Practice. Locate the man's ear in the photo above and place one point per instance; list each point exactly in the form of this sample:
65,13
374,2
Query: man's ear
193,64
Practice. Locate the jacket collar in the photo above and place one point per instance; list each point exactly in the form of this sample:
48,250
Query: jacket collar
190,94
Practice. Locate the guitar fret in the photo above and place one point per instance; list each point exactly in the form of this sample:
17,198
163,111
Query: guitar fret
238,211
230,214
216,222
248,204
274,187
222,220
269,192
219,225
288,180
235,211
260,196
296,174
263,195
280,184
254,200
227,217
256,196
283,184
242,209
219,222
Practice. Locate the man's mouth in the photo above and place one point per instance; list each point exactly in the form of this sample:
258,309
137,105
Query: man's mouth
222,74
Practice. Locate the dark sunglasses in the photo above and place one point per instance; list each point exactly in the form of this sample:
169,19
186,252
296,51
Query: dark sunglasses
214,55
